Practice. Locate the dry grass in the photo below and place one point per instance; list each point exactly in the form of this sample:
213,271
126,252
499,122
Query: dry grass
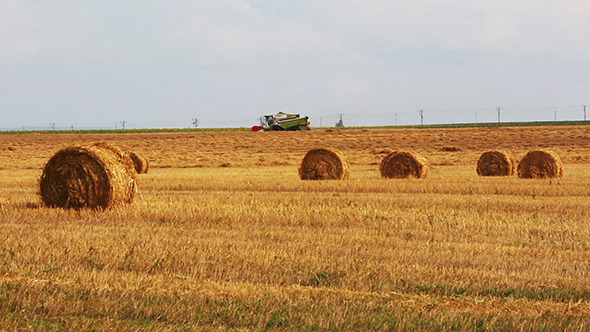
247,149
254,247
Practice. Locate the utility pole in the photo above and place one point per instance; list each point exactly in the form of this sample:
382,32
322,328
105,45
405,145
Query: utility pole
196,122
340,122
321,126
498,109
421,117
396,119
554,116
52,125
123,124
584,108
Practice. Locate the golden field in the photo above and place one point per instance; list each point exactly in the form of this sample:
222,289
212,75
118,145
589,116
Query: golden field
224,235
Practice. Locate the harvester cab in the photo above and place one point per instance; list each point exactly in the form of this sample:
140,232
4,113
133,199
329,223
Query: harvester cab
283,121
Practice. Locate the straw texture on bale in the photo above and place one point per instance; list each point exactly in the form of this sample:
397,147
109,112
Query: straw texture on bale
540,164
124,157
403,164
324,164
140,162
495,163
94,176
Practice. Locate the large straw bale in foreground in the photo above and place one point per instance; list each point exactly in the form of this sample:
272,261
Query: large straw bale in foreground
94,176
540,164
495,163
140,162
324,164
403,164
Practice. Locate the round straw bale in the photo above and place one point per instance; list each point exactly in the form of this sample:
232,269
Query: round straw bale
540,164
140,162
123,156
403,164
495,163
94,176
324,164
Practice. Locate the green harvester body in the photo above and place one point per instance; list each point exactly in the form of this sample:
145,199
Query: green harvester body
284,121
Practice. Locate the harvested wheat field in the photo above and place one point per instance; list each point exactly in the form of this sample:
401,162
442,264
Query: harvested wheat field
223,234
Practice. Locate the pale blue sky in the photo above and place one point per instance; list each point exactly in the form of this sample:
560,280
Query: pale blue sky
226,62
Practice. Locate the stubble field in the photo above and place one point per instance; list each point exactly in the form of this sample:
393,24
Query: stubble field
224,235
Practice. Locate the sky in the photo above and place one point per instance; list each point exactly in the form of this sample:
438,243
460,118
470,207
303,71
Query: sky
160,64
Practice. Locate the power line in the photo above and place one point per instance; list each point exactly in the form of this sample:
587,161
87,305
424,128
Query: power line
393,116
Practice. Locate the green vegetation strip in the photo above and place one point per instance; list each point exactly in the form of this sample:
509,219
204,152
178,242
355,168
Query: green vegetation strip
178,130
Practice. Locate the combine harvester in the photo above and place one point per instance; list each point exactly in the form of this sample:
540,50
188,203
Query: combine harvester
283,121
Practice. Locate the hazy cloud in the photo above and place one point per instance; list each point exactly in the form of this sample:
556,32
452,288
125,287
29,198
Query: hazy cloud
156,63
